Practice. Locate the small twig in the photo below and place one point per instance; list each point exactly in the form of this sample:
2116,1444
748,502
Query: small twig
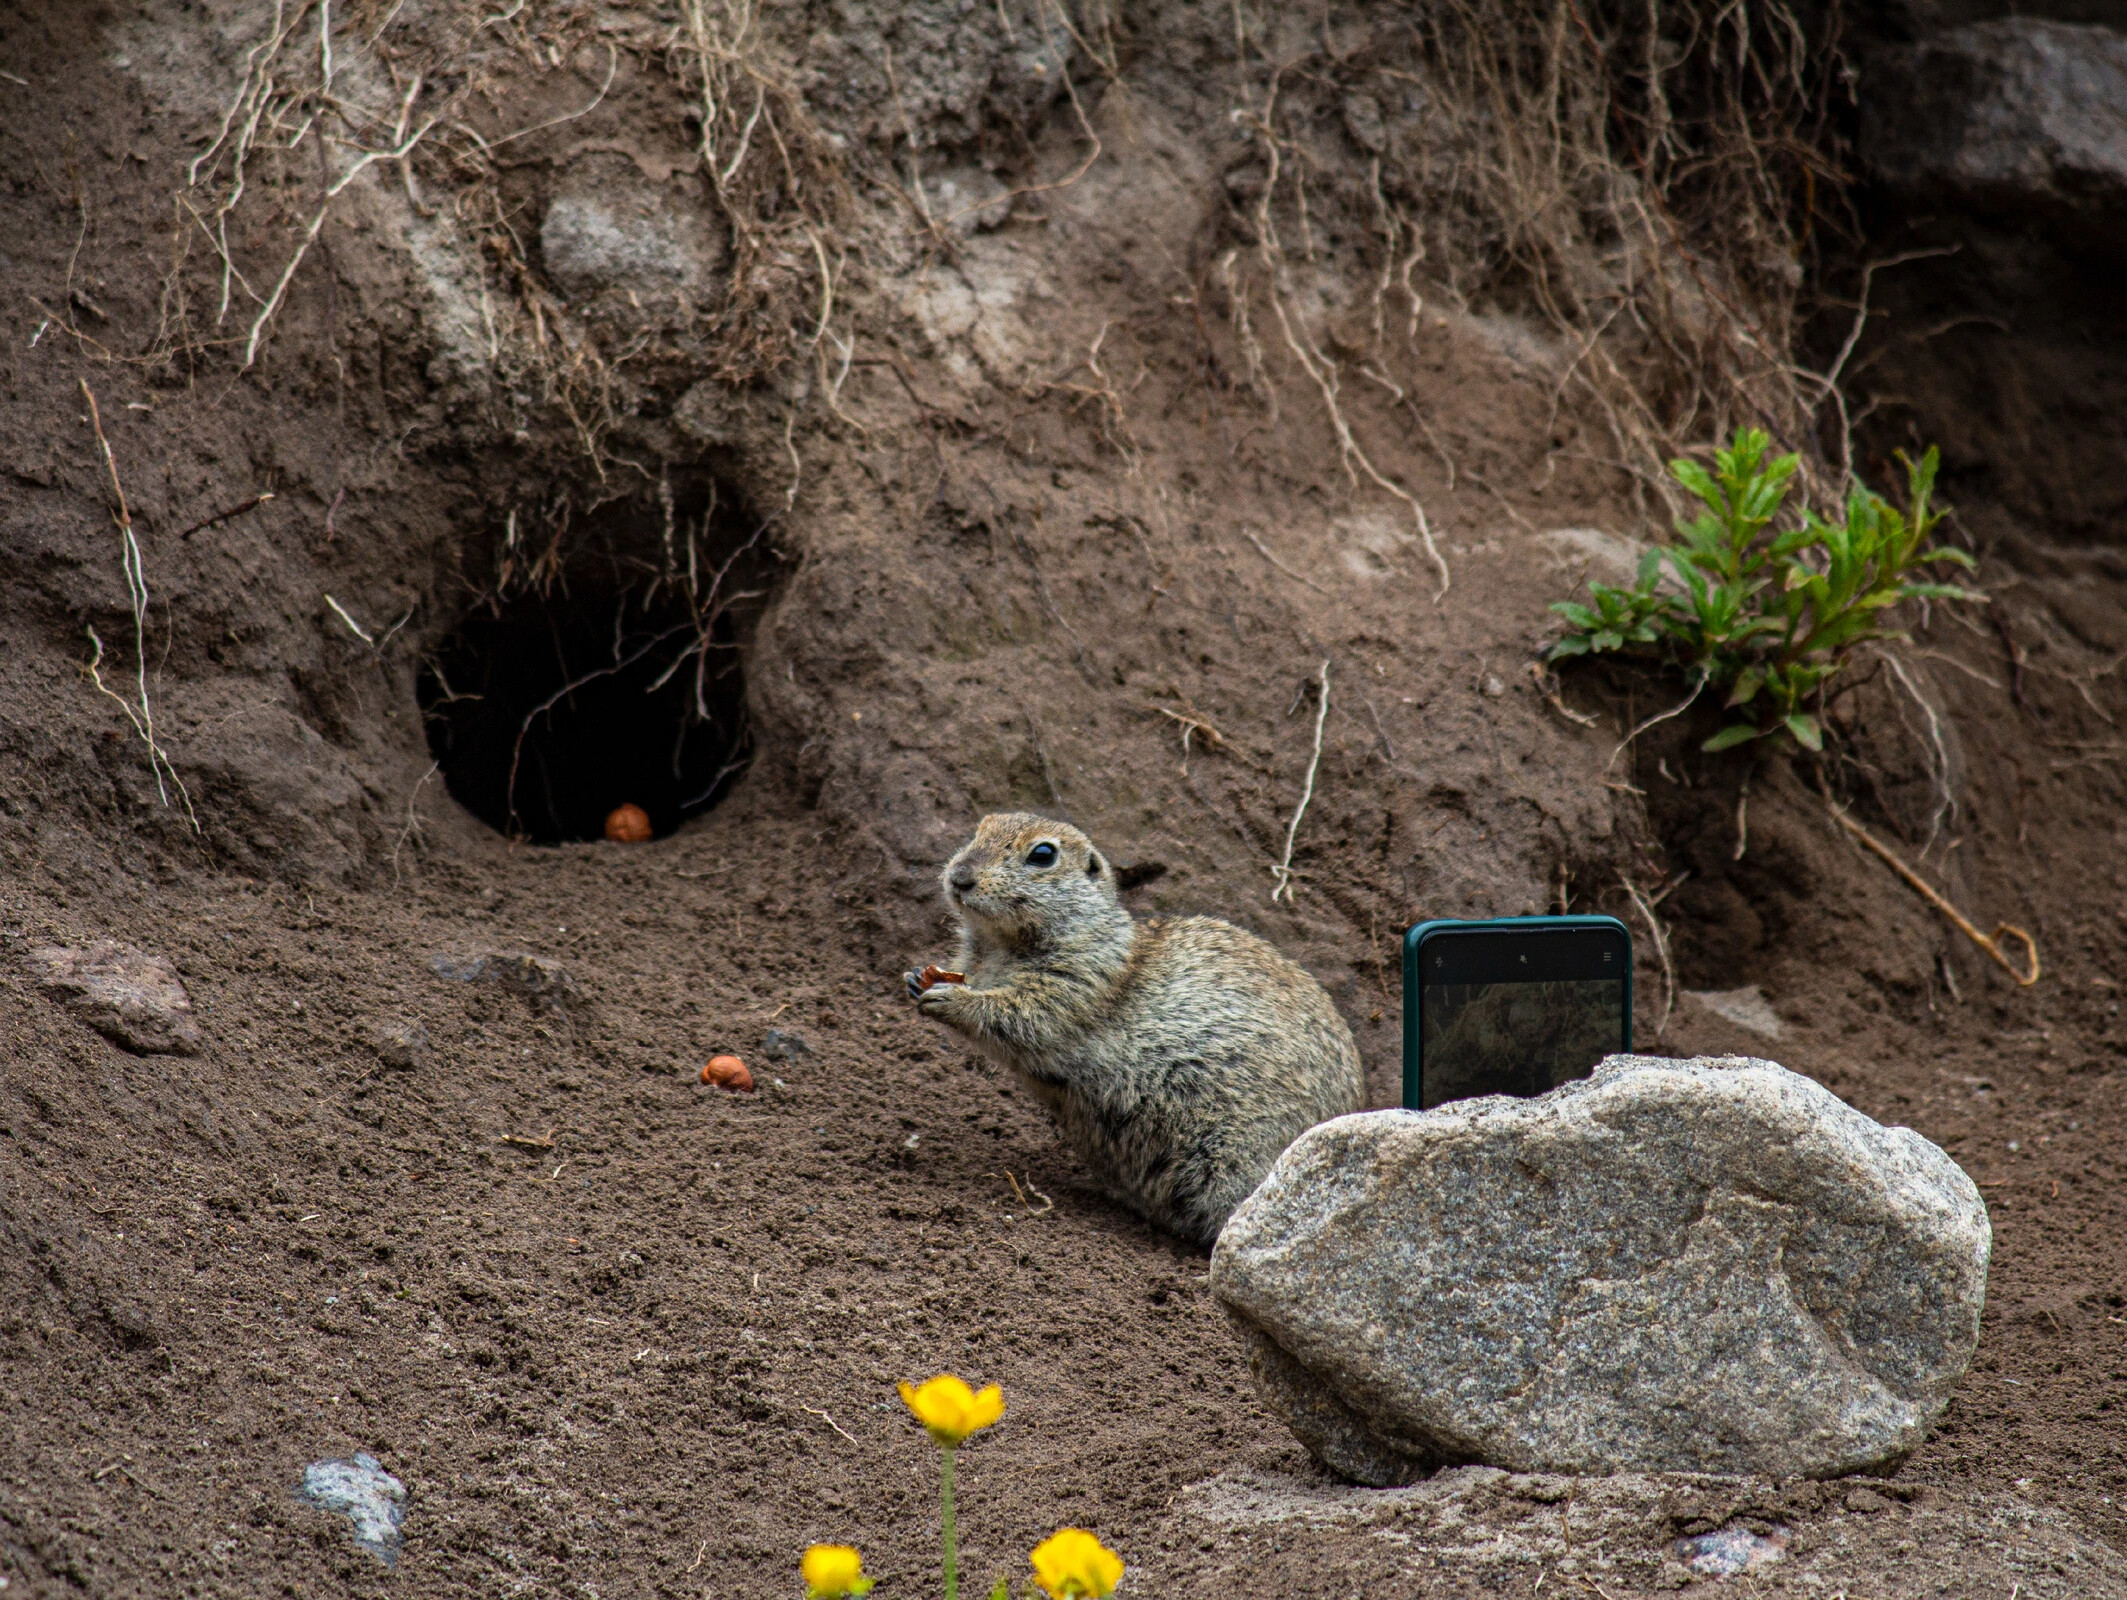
1670,887
219,517
1987,942
1047,1205
1742,819
844,1432
1661,948
1283,870
544,1142
1192,725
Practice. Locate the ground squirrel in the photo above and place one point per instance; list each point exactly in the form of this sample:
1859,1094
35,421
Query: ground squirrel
1179,1056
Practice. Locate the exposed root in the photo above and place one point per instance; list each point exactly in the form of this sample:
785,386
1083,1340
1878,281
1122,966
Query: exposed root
138,710
1661,948
1938,753
412,830
1283,870
1989,942
1676,710
1192,724
1547,686
1297,577
1320,369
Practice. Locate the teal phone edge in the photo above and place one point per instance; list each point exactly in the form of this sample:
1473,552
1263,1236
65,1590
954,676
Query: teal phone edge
1419,932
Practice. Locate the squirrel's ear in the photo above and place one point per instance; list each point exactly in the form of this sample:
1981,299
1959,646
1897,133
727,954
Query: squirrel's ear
1092,863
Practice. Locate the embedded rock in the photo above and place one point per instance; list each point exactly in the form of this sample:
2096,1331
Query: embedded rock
1696,1266
540,979
371,1499
2016,116
610,232
131,997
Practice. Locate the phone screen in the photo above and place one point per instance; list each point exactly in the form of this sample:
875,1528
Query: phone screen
1518,1010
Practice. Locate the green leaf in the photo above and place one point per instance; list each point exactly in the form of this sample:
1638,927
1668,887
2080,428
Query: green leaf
1574,612
1748,682
1573,644
1734,734
1607,639
1804,727
1698,480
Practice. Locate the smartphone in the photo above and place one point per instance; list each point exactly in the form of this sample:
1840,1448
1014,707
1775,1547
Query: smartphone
1515,1006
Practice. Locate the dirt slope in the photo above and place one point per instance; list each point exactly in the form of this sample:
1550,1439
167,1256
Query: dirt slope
1046,521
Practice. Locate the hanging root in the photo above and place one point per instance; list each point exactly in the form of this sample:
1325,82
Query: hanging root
138,710
1661,948
1283,870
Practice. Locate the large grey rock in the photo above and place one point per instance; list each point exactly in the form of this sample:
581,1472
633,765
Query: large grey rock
1698,1266
132,997
2014,116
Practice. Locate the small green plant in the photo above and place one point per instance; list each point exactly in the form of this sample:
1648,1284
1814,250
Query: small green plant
1768,617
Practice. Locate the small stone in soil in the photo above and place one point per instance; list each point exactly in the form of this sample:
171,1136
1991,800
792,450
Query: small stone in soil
401,1044
370,1498
781,1046
1728,1551
131,997
542,980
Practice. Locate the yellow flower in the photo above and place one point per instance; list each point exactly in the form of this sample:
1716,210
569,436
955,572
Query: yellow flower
831,1571
950,1410
1071,1563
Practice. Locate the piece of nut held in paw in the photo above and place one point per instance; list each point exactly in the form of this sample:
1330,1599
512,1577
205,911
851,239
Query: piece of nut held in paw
930,978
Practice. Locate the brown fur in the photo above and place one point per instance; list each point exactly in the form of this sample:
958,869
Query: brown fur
1179,1056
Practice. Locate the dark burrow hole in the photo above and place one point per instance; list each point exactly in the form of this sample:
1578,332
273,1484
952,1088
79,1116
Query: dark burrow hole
613,678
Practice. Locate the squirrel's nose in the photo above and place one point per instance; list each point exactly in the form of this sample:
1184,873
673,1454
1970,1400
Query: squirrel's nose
963,880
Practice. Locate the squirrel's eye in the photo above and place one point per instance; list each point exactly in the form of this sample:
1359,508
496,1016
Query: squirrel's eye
1042,855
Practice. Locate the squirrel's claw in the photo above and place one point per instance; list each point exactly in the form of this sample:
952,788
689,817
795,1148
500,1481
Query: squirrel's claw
916,985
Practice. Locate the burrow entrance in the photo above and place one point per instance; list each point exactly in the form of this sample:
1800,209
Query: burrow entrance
602,668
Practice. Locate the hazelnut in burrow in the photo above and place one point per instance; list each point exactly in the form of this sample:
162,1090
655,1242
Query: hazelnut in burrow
1178,1055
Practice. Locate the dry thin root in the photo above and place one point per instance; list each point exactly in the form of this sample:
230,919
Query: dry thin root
1661,948
1547,686
1283,870
1047,1205
138,711
1989,942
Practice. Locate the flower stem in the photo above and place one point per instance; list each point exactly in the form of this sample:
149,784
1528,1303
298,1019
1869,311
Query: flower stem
952,1548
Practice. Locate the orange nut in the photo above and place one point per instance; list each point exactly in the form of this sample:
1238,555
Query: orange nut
936,975
628,825
728,1072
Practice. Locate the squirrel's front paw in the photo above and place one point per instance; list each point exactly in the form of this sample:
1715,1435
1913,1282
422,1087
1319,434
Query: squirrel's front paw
939,999
916,985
